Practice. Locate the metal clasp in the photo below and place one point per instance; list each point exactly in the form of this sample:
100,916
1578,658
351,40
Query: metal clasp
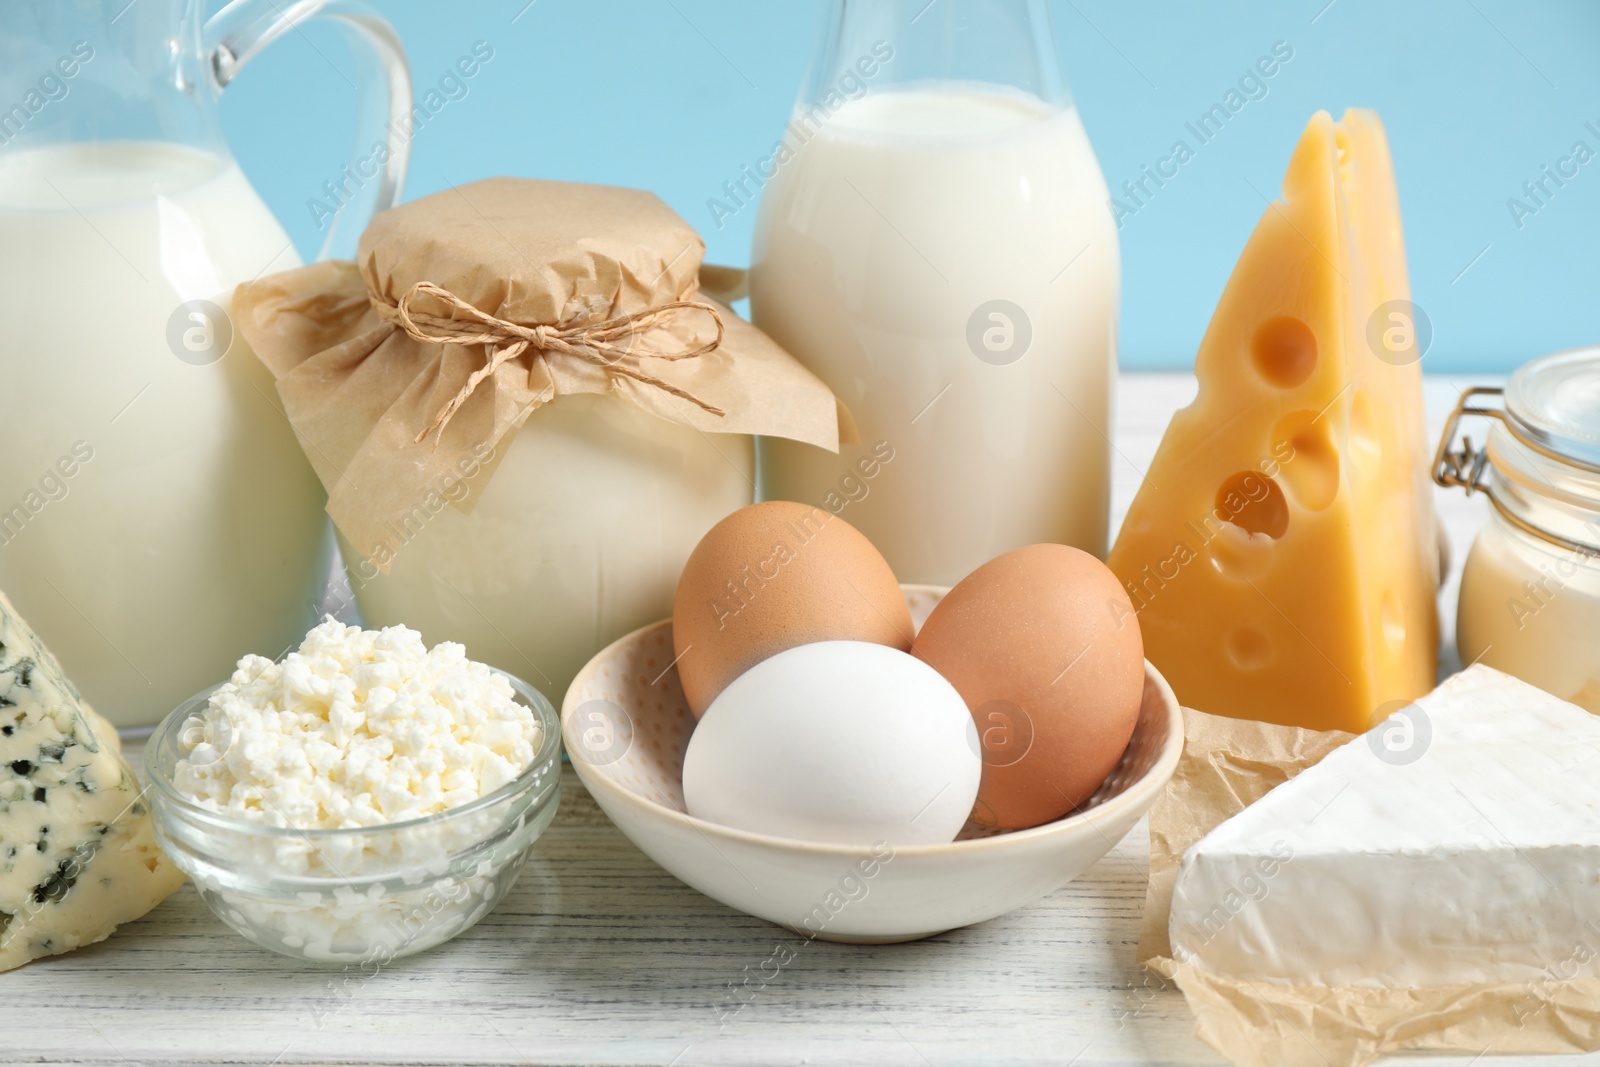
1464,466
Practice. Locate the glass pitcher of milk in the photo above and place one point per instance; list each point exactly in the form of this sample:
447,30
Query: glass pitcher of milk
935,242
157,517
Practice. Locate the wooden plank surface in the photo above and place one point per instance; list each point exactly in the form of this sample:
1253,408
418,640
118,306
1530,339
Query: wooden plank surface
600,957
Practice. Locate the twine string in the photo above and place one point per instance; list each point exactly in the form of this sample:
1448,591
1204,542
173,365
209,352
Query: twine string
592,343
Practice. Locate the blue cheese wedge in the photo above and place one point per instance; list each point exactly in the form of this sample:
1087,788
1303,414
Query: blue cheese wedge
77,853
1456,843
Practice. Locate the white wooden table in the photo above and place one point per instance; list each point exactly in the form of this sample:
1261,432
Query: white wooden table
600,957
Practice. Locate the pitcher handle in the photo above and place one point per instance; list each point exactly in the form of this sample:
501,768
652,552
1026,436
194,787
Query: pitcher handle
237,34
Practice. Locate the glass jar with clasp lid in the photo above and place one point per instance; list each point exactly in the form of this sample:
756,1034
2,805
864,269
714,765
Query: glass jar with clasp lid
1530,589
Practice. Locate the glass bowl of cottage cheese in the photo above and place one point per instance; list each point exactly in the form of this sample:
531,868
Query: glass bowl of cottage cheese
362,799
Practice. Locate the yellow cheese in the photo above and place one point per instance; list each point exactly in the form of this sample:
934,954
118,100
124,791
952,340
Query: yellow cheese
1282,551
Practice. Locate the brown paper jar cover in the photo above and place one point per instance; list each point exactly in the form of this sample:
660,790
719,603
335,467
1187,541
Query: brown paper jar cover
361,392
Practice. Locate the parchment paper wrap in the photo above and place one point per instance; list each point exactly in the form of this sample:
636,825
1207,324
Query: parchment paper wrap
1230,763
359,390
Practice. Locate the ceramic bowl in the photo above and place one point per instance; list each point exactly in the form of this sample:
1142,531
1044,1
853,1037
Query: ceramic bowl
626,727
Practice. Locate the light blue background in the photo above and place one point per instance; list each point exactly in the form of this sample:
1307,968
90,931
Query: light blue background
675,95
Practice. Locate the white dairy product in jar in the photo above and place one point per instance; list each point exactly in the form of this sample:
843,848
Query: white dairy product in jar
946,260
1530,587
576,539
157,517
1533,610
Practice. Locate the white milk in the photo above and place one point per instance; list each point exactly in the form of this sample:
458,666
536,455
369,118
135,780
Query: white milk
876,244
193,532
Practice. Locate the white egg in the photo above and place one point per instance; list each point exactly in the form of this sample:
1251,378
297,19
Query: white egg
844,742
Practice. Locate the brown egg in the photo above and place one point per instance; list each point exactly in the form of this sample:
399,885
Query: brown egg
1044,646
773,576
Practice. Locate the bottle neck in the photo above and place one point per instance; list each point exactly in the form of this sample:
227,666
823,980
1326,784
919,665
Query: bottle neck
870,45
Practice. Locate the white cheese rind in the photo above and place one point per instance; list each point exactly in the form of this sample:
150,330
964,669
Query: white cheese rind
77,855
1474,857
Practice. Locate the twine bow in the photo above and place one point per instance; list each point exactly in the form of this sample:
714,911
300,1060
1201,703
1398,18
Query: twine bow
593,343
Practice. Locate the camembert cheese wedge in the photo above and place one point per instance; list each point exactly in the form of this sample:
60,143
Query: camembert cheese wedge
1282,552
77,853
1457,843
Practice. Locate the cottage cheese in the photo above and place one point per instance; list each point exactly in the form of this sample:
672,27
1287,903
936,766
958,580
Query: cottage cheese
358,728
327,751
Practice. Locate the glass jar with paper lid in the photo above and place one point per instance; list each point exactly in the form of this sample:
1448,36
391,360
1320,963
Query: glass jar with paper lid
1530,589
526,413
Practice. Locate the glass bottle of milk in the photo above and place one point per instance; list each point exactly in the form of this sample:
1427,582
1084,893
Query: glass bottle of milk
935,242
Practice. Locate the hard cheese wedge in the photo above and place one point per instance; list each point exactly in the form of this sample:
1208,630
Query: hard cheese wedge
1282,551
1457,843
77,854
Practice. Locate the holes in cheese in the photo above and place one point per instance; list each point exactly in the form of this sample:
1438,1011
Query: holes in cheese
1286,568
1312,470
1252,501
1365,447
1249,648
1285,351
1239,555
